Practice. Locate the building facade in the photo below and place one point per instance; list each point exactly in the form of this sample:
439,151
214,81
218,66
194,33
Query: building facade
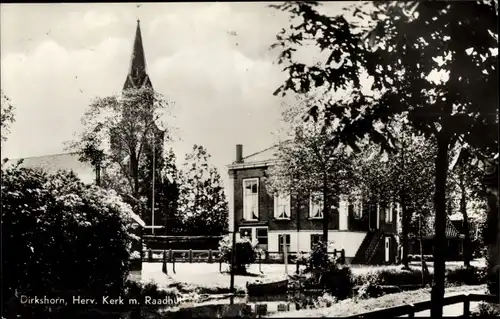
366,231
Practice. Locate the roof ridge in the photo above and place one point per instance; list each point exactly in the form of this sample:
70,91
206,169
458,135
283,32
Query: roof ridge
262,151
48,155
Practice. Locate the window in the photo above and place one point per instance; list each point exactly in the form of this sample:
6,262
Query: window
286,239
315,238
251,199
262,236
282,206
246,232
356,208
316,206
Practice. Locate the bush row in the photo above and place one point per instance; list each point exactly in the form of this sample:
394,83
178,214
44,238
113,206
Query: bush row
397,277
419,258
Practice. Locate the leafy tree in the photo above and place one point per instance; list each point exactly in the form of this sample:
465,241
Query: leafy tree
490,232
62,238
202,201
152,164
168,194
466,186
408,43
6,116
118,135
404,177
309,163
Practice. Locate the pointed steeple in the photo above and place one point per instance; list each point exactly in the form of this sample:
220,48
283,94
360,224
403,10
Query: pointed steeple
137,76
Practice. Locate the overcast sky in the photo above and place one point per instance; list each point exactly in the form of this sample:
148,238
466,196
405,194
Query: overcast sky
211,59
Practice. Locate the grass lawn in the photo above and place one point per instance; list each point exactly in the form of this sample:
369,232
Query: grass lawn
350,307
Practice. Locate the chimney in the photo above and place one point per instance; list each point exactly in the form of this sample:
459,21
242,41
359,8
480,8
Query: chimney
239,153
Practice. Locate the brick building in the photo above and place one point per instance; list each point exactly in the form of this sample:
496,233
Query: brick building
365,230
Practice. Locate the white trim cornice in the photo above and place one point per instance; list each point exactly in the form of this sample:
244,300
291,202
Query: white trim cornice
252,164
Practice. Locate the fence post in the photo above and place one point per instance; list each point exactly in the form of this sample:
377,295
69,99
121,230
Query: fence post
342,255
285,256
164,266
190,256
411,312
335,254
173,264
466,306
261,309
170,255
260,262
150,255
210,256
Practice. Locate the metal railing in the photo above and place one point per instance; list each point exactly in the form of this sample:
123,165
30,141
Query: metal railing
411,309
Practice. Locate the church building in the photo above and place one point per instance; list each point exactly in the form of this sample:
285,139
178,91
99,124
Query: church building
136,78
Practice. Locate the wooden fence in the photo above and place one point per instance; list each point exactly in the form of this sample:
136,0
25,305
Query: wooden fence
210,256
411,309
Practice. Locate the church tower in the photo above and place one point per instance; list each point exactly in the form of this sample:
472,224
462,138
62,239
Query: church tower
137,76
152,158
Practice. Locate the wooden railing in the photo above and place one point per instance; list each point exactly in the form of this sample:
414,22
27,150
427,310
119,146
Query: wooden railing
190,256
360,253
372,249
411,309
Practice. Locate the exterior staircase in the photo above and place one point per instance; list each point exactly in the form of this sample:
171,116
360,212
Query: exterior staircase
359,258
369,247
373,251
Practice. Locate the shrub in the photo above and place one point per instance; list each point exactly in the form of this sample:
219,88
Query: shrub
419,258
466,275
370,288
324,301
492,276
61,237
400,277
326,273
246,253
487,310
338,281
139,291
397,277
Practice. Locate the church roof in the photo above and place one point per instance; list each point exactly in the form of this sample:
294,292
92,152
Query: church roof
54,163
137,76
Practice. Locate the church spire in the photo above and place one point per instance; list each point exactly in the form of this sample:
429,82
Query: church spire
138,61
137,76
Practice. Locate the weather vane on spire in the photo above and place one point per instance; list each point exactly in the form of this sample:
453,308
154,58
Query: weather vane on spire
138,6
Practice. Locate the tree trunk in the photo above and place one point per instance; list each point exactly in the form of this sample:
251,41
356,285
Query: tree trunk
463,209
423,263
492,232
493,242
441,162
404,209
297,208
326,211
98,174
405,243
134,165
